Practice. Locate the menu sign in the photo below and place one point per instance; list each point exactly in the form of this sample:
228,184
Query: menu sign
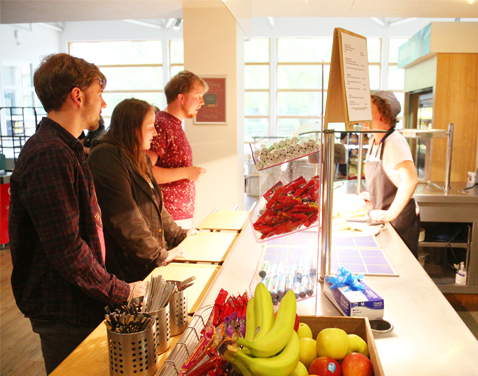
348,94
356,80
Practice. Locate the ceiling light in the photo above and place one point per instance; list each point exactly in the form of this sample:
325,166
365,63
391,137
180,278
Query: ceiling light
178,23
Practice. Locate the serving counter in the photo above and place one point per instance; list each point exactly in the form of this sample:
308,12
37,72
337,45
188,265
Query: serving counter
225,220
208,246
458,206
429,337
90,358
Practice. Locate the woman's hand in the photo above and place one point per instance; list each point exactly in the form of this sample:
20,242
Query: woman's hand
381,216
175,253
192,231
364,196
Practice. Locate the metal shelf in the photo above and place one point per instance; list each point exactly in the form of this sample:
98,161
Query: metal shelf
443,244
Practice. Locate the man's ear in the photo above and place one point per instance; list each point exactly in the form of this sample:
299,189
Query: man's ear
181,98
76,95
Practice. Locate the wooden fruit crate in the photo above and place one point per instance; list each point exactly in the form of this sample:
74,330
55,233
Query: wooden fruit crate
351,325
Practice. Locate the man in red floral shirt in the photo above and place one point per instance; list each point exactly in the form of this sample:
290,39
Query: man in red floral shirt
171,152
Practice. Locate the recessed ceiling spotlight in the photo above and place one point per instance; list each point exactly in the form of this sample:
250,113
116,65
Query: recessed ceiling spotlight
178,23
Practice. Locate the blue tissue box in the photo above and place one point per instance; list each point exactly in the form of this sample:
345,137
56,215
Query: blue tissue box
361,303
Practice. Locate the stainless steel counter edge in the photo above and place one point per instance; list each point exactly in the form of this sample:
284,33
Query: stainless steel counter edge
429,337
456,195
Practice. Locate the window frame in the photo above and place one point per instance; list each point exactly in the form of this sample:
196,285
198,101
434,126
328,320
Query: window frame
164,65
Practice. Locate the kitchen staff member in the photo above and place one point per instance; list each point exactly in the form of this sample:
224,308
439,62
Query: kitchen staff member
391,174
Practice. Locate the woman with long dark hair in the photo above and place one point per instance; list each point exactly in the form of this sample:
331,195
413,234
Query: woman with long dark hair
140,234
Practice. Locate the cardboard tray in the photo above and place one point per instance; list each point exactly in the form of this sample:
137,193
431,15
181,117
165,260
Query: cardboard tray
351,325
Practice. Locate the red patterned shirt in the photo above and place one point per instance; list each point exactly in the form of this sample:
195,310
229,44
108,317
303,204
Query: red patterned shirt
174,151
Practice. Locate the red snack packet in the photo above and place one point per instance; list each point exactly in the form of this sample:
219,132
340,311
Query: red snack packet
271,191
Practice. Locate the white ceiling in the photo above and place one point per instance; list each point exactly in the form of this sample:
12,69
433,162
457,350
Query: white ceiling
31,11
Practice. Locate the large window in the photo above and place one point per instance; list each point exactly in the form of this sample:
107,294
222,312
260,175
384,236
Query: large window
18,92
396,77
17,84
374,49
257,88
176,63
132,68
286,82
303,66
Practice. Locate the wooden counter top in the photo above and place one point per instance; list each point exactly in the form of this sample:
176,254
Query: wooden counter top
90,358
205,276
225,220
209,246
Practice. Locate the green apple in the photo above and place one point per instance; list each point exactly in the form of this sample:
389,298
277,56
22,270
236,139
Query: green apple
304,331
300,370
357,344
308,351
332,343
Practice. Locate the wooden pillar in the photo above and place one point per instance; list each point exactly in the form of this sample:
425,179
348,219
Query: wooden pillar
213,46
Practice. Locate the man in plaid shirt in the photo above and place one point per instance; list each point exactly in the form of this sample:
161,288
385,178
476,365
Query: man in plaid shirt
59,278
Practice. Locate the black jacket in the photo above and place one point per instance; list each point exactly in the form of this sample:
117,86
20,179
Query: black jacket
138,229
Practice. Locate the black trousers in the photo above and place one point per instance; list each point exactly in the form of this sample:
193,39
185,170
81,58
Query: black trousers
58,340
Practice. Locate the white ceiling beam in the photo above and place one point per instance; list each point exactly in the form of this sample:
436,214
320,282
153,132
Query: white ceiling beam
169,22
142,23
400,21
378,20
54,27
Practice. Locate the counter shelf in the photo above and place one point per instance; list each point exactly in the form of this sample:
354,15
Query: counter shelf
186,344
284,173
429,338
421,141
208,246
257,235
284,150
224,220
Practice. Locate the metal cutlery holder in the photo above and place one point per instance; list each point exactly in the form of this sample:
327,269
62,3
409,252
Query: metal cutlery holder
163,330
133,353
178,311
162,333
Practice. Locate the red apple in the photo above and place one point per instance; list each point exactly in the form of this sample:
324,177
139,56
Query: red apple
356,364
324,366
296,324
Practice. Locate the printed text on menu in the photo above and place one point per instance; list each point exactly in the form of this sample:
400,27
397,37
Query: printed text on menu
357,86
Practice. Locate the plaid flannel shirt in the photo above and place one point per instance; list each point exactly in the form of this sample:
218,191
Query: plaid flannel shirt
58,265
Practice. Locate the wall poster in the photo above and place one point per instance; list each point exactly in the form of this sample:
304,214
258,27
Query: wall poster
214,109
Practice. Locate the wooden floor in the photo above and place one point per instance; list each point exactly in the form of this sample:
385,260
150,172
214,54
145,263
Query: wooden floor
20,352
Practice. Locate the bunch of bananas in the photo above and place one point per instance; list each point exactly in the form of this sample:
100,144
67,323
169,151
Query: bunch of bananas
270,345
